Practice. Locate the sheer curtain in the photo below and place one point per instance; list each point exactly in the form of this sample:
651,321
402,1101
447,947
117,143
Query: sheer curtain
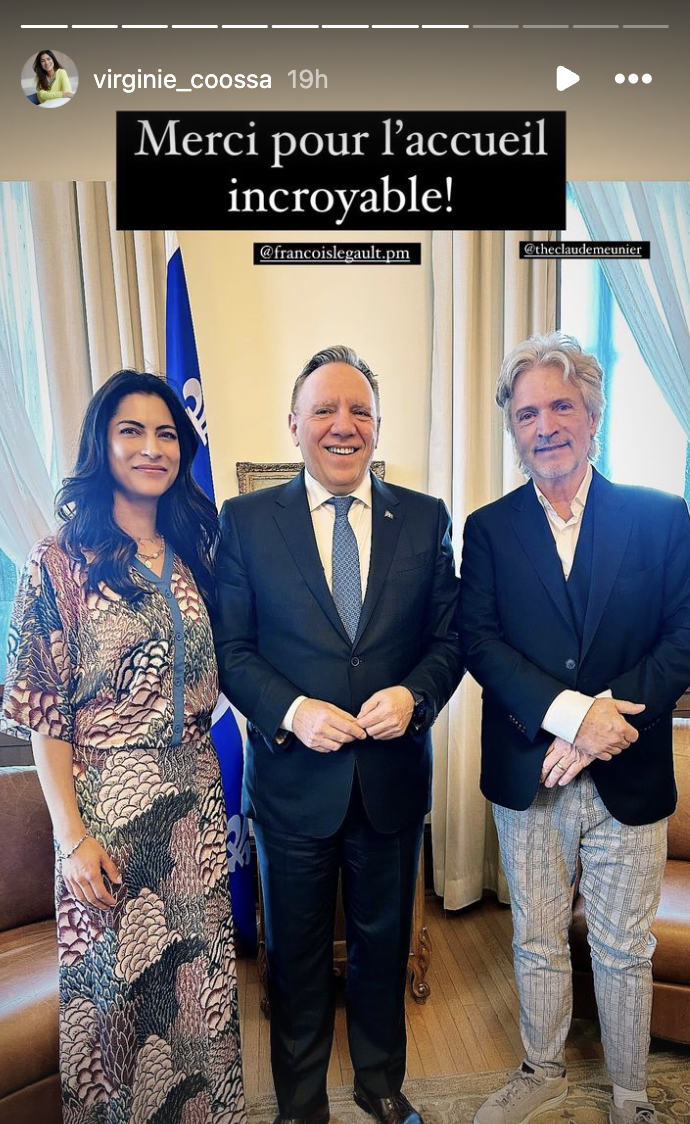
26,432
485,301
654,295
26,509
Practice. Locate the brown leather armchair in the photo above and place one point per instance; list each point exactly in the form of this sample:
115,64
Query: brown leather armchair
29,1081
671,962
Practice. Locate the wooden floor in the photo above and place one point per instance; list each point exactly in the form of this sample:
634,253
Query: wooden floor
468,1024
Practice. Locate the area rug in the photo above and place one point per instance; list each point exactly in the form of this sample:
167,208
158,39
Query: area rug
455,1099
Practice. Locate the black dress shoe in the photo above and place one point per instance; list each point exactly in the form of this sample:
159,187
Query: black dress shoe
320,1115
388,1110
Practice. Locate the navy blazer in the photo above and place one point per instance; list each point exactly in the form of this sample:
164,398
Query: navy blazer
520,642
278,635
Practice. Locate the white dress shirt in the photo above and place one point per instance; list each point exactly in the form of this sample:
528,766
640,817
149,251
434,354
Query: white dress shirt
567,711
323,521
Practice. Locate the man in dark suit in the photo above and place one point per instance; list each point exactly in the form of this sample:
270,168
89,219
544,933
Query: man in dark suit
335,638
575,620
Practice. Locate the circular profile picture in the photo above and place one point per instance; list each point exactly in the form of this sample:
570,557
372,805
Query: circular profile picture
50,79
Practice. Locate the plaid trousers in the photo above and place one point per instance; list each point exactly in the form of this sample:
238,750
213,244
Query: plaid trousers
622,868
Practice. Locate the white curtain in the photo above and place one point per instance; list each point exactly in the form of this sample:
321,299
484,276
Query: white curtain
108,309
26,446
485,301
26,510
124,287
653,295
80,300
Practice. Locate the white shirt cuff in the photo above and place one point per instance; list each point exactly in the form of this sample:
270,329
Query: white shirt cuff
286,724
567,713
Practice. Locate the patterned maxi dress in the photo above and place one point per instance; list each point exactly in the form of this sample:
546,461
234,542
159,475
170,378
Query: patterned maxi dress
149,1027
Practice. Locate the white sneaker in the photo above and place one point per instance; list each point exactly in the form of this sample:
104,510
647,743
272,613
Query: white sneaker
527,1093
633,1112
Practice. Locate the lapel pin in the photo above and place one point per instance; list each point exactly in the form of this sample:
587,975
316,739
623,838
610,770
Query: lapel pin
388,514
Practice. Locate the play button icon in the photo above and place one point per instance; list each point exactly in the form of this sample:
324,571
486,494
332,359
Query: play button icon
565,78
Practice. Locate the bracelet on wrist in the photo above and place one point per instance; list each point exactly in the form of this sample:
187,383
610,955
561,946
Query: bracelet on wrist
62,855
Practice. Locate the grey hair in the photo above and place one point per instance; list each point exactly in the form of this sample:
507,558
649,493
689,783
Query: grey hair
555,349
337,354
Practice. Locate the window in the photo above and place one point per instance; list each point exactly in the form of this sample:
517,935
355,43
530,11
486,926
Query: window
641,440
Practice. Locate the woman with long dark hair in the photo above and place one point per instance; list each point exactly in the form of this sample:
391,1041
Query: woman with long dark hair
111,670
51,79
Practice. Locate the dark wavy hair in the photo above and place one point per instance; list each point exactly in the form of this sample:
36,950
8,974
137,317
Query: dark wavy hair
40,72
186,517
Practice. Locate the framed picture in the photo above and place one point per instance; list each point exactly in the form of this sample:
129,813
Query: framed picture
253,475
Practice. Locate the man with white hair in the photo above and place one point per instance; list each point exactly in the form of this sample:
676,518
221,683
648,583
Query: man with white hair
575,620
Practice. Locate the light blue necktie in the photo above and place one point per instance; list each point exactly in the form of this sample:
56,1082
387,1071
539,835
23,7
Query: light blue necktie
347,583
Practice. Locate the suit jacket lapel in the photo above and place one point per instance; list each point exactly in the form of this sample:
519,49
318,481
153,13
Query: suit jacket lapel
387,517
530,523
294,520
611,531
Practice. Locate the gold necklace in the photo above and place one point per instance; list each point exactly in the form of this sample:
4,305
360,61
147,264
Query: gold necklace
151,557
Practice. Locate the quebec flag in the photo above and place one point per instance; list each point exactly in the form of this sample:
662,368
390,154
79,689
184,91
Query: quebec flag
183,374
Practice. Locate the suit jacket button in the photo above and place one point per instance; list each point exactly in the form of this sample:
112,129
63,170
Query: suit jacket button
355,661
571,665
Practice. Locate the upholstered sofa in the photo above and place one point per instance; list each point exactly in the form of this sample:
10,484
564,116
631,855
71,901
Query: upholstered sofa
671,962
29,1082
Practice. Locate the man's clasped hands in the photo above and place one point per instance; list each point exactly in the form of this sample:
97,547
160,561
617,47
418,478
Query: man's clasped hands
603,734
